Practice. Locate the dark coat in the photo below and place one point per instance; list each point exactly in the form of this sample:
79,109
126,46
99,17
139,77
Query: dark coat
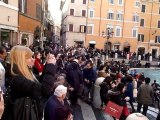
22,88
91,75
74,75
51,106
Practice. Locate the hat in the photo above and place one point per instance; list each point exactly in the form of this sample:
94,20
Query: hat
60,90
136,116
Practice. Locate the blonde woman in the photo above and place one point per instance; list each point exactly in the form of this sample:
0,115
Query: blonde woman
26,91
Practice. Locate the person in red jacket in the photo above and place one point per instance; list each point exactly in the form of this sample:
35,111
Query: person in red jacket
38,66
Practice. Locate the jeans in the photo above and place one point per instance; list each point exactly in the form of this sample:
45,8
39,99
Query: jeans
88,93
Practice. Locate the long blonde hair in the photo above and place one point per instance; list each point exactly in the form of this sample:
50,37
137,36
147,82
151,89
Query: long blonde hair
18,56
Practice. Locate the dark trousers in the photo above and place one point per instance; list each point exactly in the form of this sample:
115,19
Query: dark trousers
131,103
74,96
145,108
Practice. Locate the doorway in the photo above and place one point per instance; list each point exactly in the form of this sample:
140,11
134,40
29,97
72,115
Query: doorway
141,50
127,49
154,53
92,45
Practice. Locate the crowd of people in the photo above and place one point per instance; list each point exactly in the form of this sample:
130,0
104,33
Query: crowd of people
44,84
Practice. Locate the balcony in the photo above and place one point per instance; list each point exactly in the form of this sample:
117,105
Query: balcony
155,44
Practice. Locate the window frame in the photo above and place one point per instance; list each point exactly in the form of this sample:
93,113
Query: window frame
134,29
70,11
140,37
85,2
142,8
143,22
109,1
110,13
91,10
72,2
119,13
90,25
111,29
82,13
135,17
158,25
136,4
69,27
80,29
120,32
119,3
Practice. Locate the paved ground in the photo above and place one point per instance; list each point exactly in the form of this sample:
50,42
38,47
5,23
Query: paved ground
83,111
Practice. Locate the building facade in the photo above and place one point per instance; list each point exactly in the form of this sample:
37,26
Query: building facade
149,29
73,22
8,21
117,19
125,25
29,21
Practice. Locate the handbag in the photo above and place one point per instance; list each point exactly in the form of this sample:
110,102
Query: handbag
125,111
113,109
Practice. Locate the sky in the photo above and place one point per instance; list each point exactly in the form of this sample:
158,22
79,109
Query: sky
54,6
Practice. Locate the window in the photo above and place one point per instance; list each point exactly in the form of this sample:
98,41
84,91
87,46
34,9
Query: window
5,1
91,13
71,11
157,39
140,37
110,30
137,4
134,32
23,6
84,1
142,23
72,1
118,31
82,29
135,18
92,0
143,8
119,16
71,27
83,13
38,11
90,29
158,24
110,15
120,2
111,2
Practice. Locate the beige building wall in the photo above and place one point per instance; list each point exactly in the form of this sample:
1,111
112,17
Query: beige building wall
101,22
72,38
150,29
9,13
8,21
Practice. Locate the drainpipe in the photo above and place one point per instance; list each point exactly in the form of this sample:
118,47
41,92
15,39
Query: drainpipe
124,9
42,22
150,26
100,18
86,23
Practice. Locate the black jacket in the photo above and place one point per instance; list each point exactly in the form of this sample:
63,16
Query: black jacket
26,94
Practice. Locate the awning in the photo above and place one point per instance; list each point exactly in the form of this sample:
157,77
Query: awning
126,44
117,43
92,42
78,41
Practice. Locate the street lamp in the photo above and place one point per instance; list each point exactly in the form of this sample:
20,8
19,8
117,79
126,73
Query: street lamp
108,34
